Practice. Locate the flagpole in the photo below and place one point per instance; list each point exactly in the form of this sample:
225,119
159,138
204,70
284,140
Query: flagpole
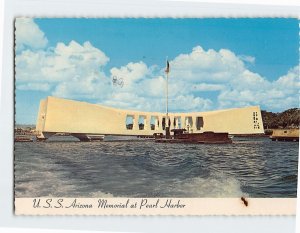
167,87
167,99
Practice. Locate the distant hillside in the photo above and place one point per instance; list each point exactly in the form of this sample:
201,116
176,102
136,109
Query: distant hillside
287,119
24,125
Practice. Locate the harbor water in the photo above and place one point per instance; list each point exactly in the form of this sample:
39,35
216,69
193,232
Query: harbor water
64,167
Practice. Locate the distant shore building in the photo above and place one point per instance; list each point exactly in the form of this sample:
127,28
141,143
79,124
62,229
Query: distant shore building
83,120
285,135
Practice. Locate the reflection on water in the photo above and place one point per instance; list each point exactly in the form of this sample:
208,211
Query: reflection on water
254,167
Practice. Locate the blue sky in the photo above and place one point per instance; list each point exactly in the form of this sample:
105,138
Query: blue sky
215,63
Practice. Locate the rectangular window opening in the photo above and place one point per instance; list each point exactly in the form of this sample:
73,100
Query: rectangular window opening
129,122
199,122
189,122
154,122
142,120
177,123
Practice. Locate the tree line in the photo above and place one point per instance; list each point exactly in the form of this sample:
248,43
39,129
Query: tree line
287,119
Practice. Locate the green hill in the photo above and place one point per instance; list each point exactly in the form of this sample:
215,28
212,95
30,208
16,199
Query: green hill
287,119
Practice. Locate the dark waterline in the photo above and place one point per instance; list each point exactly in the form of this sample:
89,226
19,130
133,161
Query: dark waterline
254,167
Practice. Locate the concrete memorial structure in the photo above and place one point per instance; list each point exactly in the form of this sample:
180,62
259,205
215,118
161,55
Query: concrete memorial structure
87,121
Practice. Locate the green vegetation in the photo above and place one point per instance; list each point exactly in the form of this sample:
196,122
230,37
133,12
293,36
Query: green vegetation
287,119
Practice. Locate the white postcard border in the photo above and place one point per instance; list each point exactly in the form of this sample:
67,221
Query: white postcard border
15,8
155,206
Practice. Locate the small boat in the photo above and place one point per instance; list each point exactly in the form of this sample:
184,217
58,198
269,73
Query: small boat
23,138
182,136
95,137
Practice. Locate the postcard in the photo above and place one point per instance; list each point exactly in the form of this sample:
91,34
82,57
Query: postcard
156,116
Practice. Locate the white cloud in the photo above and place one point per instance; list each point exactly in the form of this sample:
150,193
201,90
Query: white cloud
290,81
206,66
248,80
254,90
191,103
90,86
128,100
208,87
28,35
76,71
226,73
73,70
246,58
145,90
142,89
130,74
154,87
34,87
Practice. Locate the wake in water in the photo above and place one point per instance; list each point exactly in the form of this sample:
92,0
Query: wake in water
210,187
194,187
255,168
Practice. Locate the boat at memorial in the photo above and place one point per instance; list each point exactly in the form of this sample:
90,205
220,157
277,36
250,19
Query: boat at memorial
23,138
182,136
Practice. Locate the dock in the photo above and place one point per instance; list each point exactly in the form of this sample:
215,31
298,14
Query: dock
291,135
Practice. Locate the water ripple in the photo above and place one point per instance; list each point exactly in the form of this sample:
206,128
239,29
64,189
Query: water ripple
251,167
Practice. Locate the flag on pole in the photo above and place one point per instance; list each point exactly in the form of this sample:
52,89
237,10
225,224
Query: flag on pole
167,70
